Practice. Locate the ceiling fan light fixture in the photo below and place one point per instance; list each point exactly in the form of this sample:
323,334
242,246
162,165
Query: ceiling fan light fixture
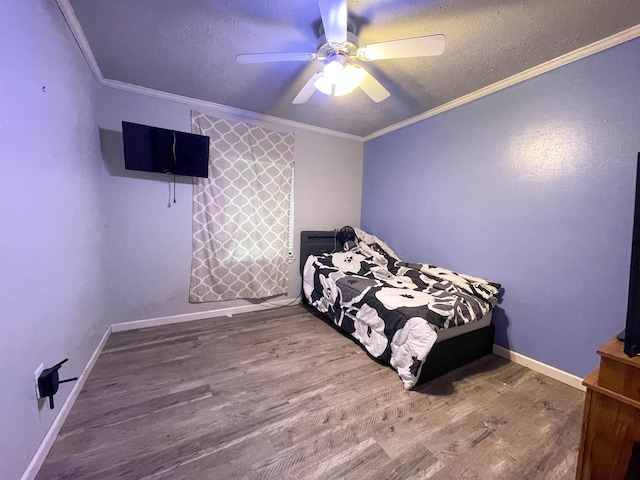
352,77
338,79
334,71
337,49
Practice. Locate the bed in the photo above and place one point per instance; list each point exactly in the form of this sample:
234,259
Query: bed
420,319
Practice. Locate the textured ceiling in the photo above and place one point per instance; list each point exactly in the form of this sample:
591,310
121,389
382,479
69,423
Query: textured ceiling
188,47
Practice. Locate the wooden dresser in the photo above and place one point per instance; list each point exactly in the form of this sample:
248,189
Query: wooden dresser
611,421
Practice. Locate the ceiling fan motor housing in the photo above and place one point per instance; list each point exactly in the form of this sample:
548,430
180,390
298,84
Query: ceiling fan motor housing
348,51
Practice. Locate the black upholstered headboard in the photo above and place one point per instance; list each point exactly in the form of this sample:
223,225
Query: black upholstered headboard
316,242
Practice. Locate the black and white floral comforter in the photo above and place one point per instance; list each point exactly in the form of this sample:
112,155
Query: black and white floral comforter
393,308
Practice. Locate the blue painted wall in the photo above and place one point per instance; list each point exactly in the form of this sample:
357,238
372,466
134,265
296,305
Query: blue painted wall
52,231
532,187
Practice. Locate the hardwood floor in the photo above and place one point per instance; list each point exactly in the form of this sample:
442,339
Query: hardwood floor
279,394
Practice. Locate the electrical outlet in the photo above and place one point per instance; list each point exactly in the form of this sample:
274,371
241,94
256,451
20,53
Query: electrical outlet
36,375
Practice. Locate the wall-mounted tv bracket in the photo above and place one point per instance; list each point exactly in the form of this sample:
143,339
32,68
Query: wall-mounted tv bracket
49,380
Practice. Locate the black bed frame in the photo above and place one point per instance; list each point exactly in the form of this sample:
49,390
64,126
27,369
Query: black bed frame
445,356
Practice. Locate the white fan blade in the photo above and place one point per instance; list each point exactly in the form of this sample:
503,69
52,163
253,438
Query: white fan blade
334,20
373,88
275,57
407,47
305,93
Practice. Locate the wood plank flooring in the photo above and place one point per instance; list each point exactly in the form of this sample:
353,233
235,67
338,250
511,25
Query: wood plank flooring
279,394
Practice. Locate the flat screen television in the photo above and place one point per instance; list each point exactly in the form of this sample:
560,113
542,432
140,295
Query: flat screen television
631,333
154,149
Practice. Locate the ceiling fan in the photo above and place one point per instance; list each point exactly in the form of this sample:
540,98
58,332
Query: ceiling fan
338,53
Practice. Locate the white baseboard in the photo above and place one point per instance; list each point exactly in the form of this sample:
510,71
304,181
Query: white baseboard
189,317
540,367
47,442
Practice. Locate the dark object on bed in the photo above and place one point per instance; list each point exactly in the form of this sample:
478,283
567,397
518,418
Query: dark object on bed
346,237
444,356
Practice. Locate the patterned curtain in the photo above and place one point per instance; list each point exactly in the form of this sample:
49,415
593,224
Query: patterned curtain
241,212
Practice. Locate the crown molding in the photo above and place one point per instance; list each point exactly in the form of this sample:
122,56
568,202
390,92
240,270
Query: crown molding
596,47
225,110
74,25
